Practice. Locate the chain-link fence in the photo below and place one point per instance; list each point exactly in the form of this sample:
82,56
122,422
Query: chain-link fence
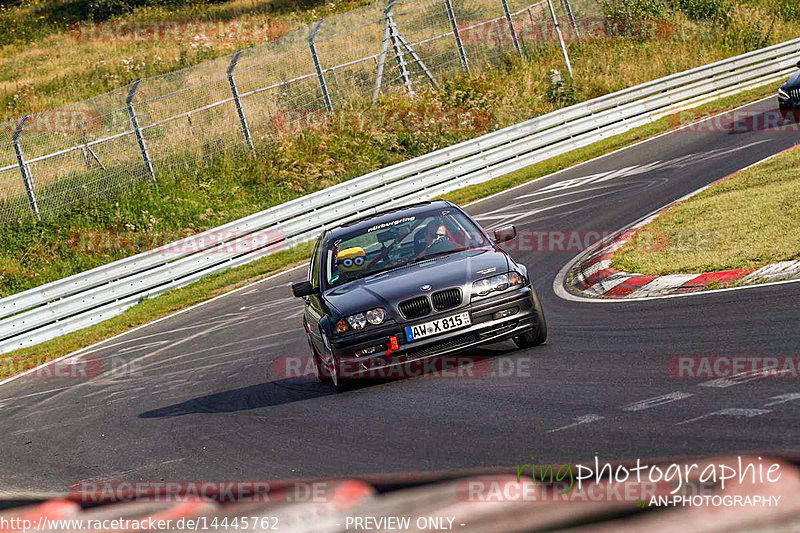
243,101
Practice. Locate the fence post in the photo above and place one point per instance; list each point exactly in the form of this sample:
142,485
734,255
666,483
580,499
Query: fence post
137,130
418,60
571,17
237,102
398,51
514,40
376,92
322,85
27,179
560,38
457,34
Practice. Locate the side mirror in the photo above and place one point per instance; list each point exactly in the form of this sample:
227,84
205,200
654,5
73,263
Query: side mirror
303,288
505,234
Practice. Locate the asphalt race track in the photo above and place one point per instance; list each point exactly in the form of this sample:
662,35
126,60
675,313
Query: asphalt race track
194,397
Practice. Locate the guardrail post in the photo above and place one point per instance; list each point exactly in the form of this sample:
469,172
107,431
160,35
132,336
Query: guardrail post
137,131
514,39
27,179
571,17
396,47
237,102
313,47
560,38
457,34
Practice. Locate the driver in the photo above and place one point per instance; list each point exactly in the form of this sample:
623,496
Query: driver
432,236
433,232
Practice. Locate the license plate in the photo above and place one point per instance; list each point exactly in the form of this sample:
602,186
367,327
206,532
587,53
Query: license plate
434,327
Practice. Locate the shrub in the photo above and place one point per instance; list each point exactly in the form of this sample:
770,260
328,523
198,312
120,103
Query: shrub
699,10
747,31
788,10
634,9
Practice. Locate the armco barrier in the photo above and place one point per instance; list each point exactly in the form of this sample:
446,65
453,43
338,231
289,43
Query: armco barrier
66,305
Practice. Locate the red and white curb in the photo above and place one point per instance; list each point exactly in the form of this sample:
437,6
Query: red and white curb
593,277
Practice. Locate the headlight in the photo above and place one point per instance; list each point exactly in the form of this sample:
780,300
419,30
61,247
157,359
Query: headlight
782,93
375,316
357,321
482,287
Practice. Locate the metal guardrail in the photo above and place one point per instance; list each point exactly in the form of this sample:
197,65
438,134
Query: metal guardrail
66,305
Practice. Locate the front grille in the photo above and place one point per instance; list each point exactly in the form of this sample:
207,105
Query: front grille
441,346
446,299
795,94
415,307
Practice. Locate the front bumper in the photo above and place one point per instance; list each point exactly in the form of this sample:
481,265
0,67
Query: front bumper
485,328
787,103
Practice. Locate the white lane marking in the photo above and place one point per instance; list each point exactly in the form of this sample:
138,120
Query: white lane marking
783,398
618,150
267,304
137,328
560,280
662,284
741,377
596,178
736,412
137,347
502,219
656,401
584,419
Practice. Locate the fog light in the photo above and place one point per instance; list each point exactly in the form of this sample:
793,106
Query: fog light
369,351
505,312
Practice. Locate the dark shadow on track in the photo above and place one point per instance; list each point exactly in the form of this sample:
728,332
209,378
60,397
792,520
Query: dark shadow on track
269,394
289,390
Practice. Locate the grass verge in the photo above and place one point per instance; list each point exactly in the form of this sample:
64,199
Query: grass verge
216,284
748,220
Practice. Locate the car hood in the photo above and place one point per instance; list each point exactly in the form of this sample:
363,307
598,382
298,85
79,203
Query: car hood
390,288
793,82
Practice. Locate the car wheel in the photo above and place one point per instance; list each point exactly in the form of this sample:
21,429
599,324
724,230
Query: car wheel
335,377
538,333
322,374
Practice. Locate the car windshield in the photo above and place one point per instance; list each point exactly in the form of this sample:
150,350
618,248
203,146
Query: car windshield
397,242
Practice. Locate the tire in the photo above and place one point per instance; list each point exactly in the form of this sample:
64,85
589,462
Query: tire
335,378
538,333
322,374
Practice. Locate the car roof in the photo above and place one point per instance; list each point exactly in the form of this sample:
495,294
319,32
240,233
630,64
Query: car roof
387,215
